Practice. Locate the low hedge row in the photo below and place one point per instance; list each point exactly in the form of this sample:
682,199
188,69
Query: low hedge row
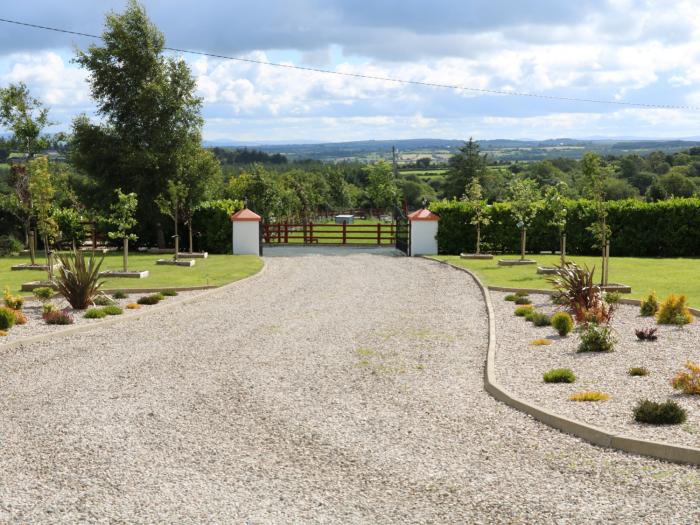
668,228
213,222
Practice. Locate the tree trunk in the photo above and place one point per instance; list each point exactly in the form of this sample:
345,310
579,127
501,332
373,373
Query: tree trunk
49,257
177,241
126,253
563,249
604,241
32,247
189,234
478,238
523,240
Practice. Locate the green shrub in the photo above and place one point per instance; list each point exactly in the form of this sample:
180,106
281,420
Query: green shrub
48,308
523,311
562,323
119,294
44,293
158,296
636,371
530,314
612,297
13,302
595,338
540,319
58,317
523,300
510,297
102,300
95,313
654,413
7,318
149,299
168,293
559,375
112,309
649,305
674,311
213,220
9,245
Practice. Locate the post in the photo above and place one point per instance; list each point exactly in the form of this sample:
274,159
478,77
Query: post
126,253
523,240
424,229
607,261
478,239
177,244
345,224
49,257
563,248
286,232
311,232
379,233
32,247
246,232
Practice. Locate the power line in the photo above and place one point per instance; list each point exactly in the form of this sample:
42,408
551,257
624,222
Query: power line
383,79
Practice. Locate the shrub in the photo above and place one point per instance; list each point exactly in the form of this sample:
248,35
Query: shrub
58,317
20,318
674,311
112,309
119,294
559,375
595,338
3,333
48,308
102,300
510,297
44,293
540,319
95,313
559,299
158,296
14,302
562,323
646,334
612,297
133,306
213,220
168,293
541,342
589,396
638,371
149,299
530,314
688,381
653,413
523,300
78,280
577,289
7,318
522,311
649,305
9,245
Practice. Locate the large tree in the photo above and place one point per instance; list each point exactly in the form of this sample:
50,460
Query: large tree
150,114
465,165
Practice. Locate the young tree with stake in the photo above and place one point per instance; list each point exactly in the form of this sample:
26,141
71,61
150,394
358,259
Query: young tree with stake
43,191
596,177
524,196
480,217
123,218
170,204
554,203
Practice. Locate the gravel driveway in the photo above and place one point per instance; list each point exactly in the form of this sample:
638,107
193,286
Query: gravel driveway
330,389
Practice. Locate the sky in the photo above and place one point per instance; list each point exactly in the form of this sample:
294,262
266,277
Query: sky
618,50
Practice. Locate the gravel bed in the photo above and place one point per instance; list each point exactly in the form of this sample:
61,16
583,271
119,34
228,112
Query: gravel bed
328,389
36,326
519,367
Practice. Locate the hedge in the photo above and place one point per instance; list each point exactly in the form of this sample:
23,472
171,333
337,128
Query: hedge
212,222
668,228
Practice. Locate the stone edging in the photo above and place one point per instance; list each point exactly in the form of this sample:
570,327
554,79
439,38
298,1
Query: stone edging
206,292
596,435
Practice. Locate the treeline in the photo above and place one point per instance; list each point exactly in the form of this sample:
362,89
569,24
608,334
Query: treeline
247,156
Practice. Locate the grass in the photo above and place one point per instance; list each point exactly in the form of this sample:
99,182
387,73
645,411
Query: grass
666,276
216,270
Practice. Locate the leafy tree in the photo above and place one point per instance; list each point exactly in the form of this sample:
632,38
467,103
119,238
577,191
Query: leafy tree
525,196
618,189
150,113
464,166
70,225
43,191
25,116
656,192
123,218
677,185
170,203
381,188
480,216
596,177
556,206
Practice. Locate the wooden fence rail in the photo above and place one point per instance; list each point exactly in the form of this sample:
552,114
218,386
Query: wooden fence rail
310,233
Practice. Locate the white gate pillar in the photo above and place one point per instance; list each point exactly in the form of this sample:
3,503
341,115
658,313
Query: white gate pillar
246,232
424,228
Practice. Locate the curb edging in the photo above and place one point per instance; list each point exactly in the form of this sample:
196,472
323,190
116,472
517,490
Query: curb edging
206,292
592,434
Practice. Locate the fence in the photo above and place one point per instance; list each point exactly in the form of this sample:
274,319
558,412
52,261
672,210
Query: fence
310,233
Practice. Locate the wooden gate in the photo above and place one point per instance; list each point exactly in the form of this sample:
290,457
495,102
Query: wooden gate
381,234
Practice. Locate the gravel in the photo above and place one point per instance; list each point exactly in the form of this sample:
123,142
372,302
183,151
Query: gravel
519,367
36,326
329,389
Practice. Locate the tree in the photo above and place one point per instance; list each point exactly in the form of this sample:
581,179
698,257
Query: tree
480,216
677,185
70,225
524,196
596,177
43,191
170,203
150,114
123,218
555,205
26,117
464,166
381,186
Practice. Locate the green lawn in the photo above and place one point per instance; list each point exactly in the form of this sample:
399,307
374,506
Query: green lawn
213,271
663,275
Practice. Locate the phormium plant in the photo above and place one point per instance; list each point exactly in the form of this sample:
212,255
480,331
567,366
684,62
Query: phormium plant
78,279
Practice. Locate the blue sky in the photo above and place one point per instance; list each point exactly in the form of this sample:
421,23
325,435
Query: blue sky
634,51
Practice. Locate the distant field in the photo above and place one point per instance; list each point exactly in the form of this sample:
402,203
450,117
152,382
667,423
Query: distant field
422,173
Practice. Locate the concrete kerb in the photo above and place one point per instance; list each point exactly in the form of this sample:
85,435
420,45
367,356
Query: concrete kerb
592,434
206,293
